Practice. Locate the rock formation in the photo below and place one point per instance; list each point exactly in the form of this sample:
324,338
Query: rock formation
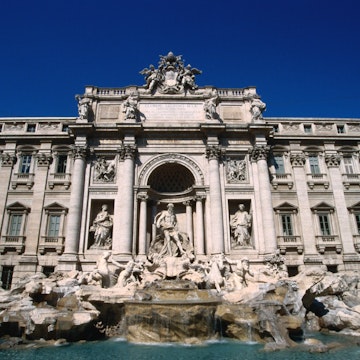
269,309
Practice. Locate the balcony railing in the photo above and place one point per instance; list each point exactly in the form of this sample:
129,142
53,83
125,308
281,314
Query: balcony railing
59,179
51,243
350,179
9,242
328,242
290,242
282,179
26,179
317,179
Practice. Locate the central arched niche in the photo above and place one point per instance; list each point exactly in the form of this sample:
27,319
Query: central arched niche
171,178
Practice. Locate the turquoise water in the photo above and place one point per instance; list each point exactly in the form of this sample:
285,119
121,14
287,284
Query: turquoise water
117,349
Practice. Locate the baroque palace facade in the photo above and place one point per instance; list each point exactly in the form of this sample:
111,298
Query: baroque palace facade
239,183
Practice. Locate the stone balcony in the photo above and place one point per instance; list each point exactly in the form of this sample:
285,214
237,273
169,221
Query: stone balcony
22,179
59,179
282,179
316,180
51,243
290,243
12,243
328,242
350,180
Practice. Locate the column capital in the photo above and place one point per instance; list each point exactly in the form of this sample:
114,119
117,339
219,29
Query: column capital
214,152
8,159
79,152
200,197
143,196
332,160
297,158
127,152
44,159
259,152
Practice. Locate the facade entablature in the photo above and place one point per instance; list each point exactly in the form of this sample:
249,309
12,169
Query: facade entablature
314,127
34,127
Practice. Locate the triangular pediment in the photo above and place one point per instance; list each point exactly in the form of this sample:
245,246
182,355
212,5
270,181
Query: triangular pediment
17,206
286,207
355,207
322,206
55,207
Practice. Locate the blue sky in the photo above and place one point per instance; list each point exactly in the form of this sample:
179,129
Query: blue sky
303,56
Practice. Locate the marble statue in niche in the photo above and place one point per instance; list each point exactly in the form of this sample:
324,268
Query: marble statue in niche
168,233
102,229
240,227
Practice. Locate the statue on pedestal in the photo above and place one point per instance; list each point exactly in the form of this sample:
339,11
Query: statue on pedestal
240,225
102,227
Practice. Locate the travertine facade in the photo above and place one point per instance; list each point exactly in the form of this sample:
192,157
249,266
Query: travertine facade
74,187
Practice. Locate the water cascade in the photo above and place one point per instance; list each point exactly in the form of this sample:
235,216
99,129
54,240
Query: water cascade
172,311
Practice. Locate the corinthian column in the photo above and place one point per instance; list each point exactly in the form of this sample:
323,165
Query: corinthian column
124,207
199,239
213,154
259,155
142,223
76,201
189,222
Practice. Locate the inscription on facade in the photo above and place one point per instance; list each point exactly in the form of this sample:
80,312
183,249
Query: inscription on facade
109,112
173,111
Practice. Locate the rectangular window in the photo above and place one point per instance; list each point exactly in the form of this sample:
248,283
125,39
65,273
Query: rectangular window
307,129
279,164
314,164
15,225
54,225
25,164
6,277
31,128
357,220
340,129
348,164
65,128
61,164
324,224
286,223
